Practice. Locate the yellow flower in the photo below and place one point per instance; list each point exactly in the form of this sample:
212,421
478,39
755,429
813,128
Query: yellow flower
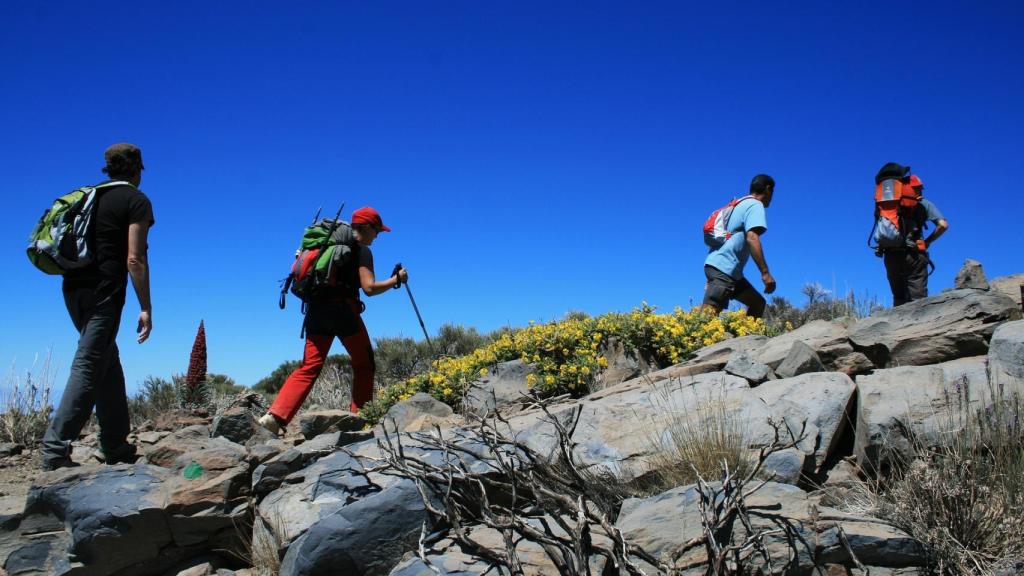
602,362
483,372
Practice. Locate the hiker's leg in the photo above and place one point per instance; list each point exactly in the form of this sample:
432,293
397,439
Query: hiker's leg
895,265
295,389
751,298
718,290
112,405
97,327
357,343
917,275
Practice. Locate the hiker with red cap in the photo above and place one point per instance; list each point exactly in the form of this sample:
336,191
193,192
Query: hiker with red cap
335,311
902,215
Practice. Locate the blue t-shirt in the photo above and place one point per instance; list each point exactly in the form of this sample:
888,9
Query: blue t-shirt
731,257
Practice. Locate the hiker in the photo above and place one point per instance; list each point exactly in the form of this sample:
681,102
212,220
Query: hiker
742,223
335,312
901,217
94,296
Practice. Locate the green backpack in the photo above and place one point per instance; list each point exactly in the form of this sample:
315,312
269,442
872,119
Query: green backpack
326,248
62,239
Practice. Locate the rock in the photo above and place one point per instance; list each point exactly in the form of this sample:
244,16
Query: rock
661,523
853,363
505,385
919,400
176,420
1010,286
623,364
823,400
115,519
713,358
1006,357
8,449
950,325
369,536
843,474
321,421
742,364
971,276
829,340
236,424
801,359
402,414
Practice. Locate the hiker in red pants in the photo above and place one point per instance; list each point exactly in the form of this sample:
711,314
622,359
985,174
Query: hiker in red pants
336,313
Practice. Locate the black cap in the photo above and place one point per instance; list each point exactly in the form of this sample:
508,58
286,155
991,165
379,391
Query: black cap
891,171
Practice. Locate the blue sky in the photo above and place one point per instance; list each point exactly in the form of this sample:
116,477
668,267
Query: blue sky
532,157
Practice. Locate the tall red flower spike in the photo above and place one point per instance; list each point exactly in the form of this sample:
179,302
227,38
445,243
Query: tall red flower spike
197,361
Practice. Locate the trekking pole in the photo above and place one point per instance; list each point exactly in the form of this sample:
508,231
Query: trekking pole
413,300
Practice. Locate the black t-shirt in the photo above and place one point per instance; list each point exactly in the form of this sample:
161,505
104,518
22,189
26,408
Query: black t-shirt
116,208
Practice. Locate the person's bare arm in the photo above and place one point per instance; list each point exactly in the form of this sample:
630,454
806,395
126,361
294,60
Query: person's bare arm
757,253
371,287
940,228
138,269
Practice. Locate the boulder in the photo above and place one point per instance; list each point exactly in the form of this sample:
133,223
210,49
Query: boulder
661,524
828,339
711,358
950,325
971,276
8,449
318,422
896,404
115,519
823,400
742,364
1011,286
801,359
404,414
369,536
1006,357
853,363
504,385
236,424
623,364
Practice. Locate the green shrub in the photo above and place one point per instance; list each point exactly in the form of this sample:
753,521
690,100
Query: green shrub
26,404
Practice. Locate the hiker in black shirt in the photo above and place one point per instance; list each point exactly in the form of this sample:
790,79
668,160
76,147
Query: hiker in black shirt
95,296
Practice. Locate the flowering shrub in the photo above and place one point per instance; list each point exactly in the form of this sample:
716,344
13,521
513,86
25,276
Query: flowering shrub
567,353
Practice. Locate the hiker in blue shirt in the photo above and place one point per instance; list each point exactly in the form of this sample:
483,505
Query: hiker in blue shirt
724,265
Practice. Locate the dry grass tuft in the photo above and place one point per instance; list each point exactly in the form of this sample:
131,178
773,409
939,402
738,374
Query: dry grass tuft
695,440
26,404
962,496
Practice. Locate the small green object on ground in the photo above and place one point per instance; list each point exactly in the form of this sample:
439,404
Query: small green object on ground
193,471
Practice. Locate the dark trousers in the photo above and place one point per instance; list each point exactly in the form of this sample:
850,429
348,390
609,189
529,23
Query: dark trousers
721,288
96,378
907,271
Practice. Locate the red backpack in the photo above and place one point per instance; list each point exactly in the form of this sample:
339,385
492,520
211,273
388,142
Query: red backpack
716,227
895,202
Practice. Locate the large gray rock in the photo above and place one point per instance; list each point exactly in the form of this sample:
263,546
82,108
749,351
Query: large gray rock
125,519
317,422
661,524
801,360
950,325
971,275
823,400
1010,286
829,340
897,404
742,364
1006,357
406,415
236,424
368,536
623,364
505,385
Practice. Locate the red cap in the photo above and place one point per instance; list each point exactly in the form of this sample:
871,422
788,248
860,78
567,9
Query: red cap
915,182
367,215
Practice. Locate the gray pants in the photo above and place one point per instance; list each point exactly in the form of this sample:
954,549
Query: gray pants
907,271
96,378
721,288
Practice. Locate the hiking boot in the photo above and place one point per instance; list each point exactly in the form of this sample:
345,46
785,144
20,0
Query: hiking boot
123,454
51,464
271,423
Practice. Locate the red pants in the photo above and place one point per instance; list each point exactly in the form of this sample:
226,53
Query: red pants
350,329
